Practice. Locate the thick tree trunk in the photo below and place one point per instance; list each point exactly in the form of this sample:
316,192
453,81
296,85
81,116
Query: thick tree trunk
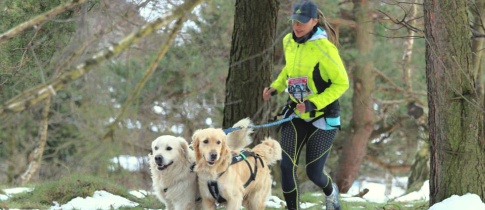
478,43
455,104
355,147
251,62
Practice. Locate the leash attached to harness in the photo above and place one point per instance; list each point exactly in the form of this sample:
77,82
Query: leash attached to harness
228,130
212,185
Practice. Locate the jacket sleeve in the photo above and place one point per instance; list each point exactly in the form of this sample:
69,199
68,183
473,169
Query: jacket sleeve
280,83
331,68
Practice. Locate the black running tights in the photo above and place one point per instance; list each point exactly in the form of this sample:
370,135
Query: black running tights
294,135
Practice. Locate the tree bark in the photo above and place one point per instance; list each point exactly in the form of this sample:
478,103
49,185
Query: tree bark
455,104
477,46
355,147
251,63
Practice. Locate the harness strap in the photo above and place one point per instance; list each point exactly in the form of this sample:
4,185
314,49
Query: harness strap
212,185
192,167
253,175
214,190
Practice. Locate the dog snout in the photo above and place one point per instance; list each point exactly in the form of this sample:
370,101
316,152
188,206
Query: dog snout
213,156
158,159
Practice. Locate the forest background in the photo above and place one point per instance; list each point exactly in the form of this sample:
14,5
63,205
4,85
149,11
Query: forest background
85,81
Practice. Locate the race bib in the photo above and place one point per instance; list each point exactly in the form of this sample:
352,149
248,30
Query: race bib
298,88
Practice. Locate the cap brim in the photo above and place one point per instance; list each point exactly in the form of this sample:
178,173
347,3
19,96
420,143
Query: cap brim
300,18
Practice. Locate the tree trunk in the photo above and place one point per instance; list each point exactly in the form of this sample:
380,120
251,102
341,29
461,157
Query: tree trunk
251,62
455,104
355,147
477,43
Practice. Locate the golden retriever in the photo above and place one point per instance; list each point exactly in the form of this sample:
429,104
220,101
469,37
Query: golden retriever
173,178
214,152
171,166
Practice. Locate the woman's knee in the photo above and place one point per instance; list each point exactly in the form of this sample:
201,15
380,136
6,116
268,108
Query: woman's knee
286,166
316,176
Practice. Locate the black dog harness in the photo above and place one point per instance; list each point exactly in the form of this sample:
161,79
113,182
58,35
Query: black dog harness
214,190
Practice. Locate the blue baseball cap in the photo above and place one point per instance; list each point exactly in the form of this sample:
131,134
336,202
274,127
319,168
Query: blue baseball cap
303,11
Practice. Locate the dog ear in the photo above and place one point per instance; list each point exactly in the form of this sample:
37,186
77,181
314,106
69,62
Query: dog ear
184,147
225,152
195,145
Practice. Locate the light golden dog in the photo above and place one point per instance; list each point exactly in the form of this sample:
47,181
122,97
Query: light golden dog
246,183
173,178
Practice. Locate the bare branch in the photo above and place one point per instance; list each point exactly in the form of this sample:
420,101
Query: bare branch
388,128
408,51
35,95
146,76
39,149
388,80
40,18
387,166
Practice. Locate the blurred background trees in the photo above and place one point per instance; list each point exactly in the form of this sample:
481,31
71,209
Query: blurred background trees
384,113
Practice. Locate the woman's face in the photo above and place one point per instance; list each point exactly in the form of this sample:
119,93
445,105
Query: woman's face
301,29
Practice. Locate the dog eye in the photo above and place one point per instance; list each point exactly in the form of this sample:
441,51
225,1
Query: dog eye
169,148
219,142
206,141
156,148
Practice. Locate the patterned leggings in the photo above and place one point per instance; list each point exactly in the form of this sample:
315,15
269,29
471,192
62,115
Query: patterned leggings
294,135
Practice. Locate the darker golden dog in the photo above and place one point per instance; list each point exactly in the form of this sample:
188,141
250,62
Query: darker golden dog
246,183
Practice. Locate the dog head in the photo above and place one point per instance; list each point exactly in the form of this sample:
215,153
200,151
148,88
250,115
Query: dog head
167,150
210,147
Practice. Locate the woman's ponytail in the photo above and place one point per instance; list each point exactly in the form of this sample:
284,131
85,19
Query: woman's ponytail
331,33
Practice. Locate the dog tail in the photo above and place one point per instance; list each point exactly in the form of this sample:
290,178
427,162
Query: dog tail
269,149
241,138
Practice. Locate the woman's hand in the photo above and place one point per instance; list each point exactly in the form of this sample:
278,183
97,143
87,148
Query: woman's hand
301,107
267,92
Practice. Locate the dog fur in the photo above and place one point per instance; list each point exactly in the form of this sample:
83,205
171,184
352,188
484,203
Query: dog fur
182,185
213,152
173,179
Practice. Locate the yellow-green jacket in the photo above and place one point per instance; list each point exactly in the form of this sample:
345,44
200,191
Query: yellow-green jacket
317,60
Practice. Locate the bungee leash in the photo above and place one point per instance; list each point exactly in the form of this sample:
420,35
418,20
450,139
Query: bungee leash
228,130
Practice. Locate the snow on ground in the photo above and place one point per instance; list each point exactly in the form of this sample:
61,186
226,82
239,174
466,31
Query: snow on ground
377,193
100,200
105,200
